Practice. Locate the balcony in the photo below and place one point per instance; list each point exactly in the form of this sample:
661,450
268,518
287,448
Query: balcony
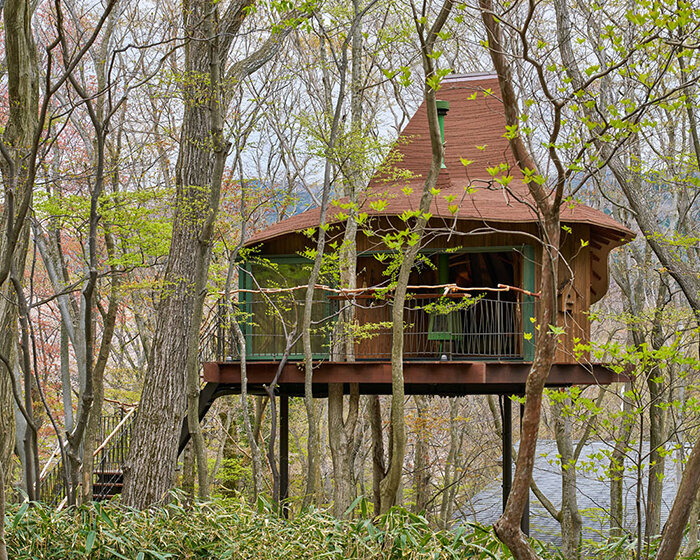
496,325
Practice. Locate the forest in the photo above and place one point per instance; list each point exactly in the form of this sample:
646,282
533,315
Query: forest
350,279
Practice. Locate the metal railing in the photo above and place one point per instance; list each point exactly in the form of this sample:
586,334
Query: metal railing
453,327
493,325
53,485
108,461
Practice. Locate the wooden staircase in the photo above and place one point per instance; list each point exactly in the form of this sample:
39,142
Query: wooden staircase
112,452
107,484
108,460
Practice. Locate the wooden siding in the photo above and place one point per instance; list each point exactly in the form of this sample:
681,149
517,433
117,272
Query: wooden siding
582,273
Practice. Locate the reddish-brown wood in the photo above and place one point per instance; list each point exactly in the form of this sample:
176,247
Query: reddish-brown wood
437,378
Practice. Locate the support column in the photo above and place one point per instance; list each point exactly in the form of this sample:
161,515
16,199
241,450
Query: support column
525,521
507,446
284,454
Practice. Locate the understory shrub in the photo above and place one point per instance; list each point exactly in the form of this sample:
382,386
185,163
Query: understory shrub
231,529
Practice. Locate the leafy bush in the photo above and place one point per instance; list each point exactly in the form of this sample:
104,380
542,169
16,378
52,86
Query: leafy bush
230,529
232,475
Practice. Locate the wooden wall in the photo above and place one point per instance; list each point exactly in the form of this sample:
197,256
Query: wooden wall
581,267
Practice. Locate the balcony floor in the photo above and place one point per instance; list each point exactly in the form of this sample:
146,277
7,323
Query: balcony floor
445,378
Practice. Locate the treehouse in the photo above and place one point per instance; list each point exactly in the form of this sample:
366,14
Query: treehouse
471,318
471,315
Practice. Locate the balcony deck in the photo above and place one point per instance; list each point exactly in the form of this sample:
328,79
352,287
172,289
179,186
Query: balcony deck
455,327
454,344
443,378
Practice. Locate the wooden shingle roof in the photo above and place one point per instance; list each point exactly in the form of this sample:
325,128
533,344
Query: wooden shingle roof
474,128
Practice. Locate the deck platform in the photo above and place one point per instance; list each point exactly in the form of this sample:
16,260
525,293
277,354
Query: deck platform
441,378
445,378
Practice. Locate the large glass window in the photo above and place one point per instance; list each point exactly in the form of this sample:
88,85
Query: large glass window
276,316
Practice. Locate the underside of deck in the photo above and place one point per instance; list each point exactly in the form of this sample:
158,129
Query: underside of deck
443,378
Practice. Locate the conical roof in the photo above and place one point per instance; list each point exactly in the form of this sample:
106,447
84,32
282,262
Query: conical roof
474,132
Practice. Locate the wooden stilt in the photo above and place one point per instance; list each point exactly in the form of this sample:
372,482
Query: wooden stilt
507,444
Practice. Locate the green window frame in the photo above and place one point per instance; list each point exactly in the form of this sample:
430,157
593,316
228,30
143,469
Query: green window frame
245,281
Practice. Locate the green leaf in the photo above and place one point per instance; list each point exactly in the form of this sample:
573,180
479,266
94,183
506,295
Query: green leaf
20,514
353,505
378,205
158,555
90,542
115,553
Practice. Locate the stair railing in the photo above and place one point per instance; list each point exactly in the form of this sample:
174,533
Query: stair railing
53,480
109,459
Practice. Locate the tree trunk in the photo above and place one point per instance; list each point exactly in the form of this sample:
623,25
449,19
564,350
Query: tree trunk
188,471
18,138
202,154
548,205
390,483
378,462
93,426
450,468
8,337
3,546
692,544
341,437
330,164
570,516
658,399
153,455
341,431
617,469
421,463
672,535
252,441
66,385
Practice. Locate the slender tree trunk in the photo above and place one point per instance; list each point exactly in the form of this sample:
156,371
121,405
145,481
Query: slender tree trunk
378,462
548,205
658,400
341,432
257,463
450,468
18,138
260,405
3,546
570,516
692,544
617,469
672,535
421,464
223,446
93,426
189,469
390,483
313,453
66,385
